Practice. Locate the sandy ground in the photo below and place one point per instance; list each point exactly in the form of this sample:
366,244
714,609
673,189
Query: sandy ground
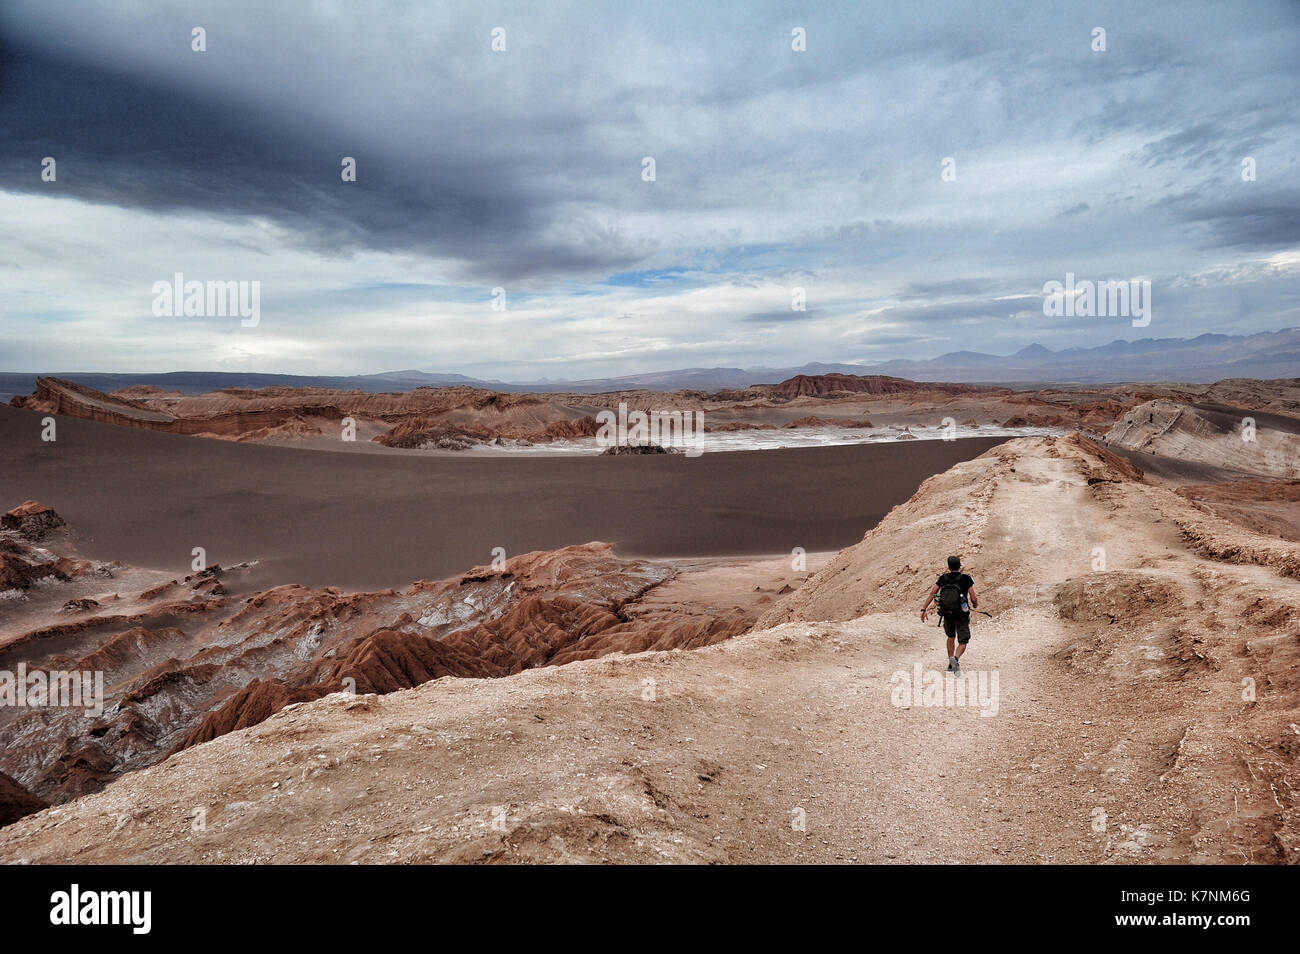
1266,506
1121,732
364,521
752,584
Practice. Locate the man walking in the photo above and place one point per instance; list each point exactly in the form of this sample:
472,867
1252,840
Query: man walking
956,598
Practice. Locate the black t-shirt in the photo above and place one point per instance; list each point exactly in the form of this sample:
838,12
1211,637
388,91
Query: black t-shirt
964,582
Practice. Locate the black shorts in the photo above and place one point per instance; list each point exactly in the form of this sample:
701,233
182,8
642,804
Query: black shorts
958,626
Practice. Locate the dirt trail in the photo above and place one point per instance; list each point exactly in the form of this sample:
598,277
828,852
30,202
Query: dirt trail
1119,733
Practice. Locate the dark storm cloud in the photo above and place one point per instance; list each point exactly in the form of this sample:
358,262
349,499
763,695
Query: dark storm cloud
126,140
1253,219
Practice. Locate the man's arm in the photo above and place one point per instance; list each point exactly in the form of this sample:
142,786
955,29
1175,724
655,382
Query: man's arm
974,600
934,589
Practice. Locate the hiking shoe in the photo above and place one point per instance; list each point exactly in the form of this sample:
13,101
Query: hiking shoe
950,664
956,665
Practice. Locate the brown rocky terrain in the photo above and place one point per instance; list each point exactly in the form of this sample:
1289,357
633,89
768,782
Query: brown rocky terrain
25,564
457,418
821,385
188,660
31,519
1146,709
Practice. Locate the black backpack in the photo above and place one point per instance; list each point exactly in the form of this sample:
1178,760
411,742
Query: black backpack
950,596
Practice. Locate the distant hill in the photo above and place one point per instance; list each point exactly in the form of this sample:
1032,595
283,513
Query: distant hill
201,382
819,385
1199,360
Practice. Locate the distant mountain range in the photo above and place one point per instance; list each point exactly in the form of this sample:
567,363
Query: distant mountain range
1203,359
1206,358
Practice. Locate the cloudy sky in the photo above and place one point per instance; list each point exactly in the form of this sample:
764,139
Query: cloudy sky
522,169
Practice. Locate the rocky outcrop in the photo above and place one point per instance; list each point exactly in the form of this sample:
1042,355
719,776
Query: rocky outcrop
438,433
1108,467
56,396
431,433
1224,439
16,802
23,565
633,450
585,426
814,421
738,426
820,385
31,519
255,703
